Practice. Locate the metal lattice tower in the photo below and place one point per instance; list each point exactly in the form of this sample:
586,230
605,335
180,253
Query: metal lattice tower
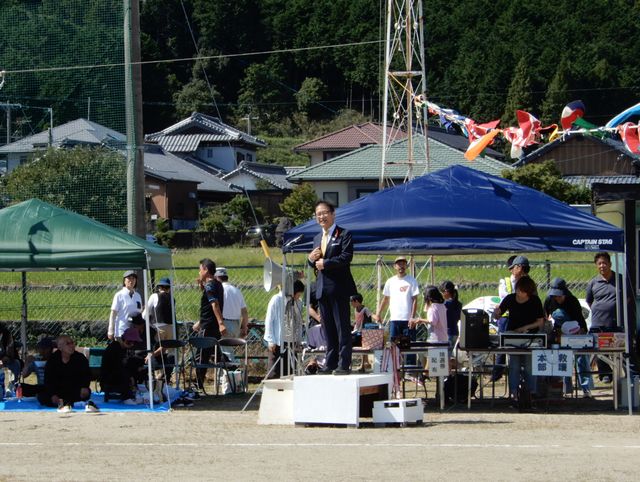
404,106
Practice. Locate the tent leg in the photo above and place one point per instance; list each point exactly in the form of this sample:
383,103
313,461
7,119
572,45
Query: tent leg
148,330
23,315
622,266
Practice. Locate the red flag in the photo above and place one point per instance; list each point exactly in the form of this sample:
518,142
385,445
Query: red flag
630,136
527,133
476,131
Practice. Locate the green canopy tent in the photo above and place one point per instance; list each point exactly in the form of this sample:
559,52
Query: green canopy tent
36,236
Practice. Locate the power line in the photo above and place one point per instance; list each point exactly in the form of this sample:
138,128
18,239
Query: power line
193,59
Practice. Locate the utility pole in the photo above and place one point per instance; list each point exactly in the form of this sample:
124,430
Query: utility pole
248,119
50,126
404,101
133,101
7,106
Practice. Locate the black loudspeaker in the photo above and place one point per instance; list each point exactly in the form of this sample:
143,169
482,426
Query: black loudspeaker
474,329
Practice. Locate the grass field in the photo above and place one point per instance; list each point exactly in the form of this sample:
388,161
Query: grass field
86,295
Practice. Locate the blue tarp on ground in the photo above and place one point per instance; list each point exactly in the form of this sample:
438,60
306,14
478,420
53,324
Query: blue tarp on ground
32,405
461,210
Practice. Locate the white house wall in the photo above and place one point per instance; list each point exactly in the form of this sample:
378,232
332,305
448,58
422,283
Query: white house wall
341,187
244,180
224,157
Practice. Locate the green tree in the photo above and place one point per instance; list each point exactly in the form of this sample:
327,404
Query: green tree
545,177
519,96
299,205
557,95
311,92
228,222
89,181
262,91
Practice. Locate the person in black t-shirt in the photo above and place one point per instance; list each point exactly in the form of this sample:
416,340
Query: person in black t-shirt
525,316
211,306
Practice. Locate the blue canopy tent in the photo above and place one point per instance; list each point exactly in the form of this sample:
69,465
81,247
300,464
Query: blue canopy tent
461,210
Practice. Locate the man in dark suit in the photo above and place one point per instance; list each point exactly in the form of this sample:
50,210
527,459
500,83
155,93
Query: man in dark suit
331,258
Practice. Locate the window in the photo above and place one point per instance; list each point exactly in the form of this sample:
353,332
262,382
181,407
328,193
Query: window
249,158
331,197
209,153
326,155
239,157
364,192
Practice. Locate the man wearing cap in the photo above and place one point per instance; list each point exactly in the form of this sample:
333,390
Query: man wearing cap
518,267
159,310
562,307
66,378
401,295
331,259
236,317
126,303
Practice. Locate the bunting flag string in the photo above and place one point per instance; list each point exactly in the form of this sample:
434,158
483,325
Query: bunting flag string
530,130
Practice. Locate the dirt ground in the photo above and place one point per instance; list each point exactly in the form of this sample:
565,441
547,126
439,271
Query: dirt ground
575,439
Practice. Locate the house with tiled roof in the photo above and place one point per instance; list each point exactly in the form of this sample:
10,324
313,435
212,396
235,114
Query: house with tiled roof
586,159
266,184
208,140
354,137
174,188
356,174
80,132
346,140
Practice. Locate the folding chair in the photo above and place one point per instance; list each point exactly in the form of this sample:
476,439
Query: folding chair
233,343
197,346
95,363
178,363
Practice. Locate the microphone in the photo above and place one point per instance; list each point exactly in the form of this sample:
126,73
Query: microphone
293,241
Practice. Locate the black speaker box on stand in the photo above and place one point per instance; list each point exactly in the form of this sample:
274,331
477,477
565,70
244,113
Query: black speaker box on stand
474,329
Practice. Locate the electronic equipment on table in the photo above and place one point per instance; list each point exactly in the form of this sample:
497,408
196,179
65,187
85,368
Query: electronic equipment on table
523,340
577,342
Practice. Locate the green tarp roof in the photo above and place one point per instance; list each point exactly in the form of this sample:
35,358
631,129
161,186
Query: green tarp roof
35,235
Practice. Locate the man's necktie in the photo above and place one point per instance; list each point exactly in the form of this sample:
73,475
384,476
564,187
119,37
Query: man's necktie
323,243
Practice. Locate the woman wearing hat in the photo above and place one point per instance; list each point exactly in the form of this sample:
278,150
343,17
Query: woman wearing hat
159,308
126,304
562,307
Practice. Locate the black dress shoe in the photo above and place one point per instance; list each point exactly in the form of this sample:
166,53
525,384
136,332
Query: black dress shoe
325,371
341,371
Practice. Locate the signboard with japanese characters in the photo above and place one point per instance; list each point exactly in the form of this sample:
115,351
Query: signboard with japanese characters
438,362
552,363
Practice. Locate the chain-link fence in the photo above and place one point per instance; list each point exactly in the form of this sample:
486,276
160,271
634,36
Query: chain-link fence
64,70
78,302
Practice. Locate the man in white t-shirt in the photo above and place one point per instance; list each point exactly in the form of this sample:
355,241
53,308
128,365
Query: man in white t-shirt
401,295
235,314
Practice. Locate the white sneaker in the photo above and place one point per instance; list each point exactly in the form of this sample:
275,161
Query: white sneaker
91,407
65,409
130,401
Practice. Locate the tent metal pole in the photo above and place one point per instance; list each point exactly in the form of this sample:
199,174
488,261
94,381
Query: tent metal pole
174,325
23,315
148,331
379,286
625,315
